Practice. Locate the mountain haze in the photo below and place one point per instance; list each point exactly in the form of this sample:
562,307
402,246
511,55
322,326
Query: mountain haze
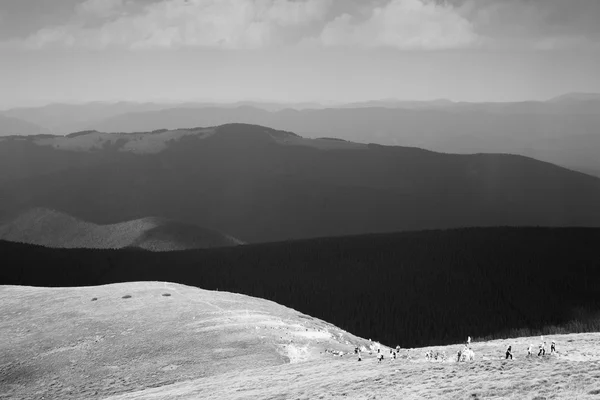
14,126
534,129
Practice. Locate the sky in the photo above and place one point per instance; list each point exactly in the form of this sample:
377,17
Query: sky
296,50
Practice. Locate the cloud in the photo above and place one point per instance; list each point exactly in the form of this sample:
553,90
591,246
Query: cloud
232,24
99,8
535,24
251,24
403,24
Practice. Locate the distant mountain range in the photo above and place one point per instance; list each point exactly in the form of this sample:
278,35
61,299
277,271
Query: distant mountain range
54,229
62,119
564,130
259,184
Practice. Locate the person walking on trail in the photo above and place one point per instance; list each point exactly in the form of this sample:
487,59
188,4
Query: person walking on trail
529,351
380,357
509,353
542,351
468,341
553,347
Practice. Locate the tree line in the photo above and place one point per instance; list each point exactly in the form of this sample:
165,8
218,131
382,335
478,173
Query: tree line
411,288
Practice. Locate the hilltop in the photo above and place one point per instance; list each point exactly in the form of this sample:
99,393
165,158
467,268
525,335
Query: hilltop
114,339
262,185
54,229
157,340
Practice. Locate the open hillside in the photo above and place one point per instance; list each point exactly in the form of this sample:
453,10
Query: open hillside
259,184
164,341
412,288
95,342
53,229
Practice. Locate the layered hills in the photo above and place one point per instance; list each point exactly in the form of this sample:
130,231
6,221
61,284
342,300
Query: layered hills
562,131
54,229
259,184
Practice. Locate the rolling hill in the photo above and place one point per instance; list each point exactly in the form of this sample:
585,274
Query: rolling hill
153,340
260,185
53,229
108,340
411,288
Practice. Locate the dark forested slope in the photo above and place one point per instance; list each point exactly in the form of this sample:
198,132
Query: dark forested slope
412,288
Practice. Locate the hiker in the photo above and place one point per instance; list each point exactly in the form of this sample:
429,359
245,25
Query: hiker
543,345
356,350
359,357
529,352
468,341
542,351
553,347
394,355
380,357
509,353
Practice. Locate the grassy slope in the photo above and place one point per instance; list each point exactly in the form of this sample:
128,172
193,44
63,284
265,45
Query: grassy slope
561,377
194,344
413,288
58,343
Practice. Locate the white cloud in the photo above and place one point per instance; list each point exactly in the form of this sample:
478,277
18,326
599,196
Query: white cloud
99,8
185,23
395,24
403,24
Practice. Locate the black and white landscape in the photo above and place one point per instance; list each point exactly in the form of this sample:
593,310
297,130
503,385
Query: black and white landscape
299,199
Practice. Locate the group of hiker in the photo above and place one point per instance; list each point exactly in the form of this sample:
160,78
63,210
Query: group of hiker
463,355
541,349
374,346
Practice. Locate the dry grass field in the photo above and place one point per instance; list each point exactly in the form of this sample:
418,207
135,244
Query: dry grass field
166,341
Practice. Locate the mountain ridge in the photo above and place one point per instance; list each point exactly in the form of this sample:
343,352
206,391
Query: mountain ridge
259,184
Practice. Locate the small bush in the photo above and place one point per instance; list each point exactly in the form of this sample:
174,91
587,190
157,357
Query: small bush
166,294
94,299
127,296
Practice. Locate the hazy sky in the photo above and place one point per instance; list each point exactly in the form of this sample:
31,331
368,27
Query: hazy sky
296,50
